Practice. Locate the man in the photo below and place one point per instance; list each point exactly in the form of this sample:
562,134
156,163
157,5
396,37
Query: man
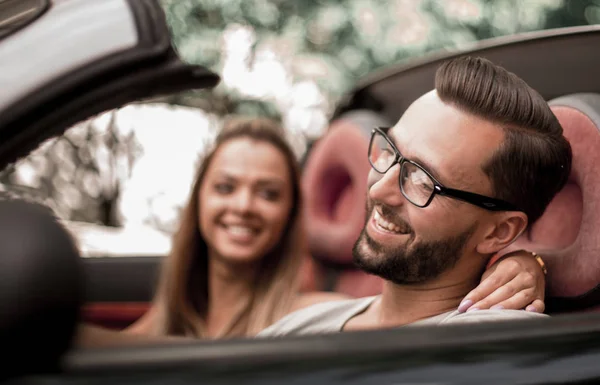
456,180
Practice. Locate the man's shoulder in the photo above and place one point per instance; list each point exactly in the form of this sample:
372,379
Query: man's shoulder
489,315
325,317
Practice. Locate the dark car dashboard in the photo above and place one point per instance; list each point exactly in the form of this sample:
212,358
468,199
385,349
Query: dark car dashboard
557,350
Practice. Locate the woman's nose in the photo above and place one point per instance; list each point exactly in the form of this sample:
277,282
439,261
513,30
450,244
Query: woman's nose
243,201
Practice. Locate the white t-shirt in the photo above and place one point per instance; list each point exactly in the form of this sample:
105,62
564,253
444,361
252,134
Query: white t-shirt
330,317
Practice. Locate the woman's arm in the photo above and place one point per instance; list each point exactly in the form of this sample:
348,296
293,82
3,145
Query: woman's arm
89,336
140,332
145,324
515,281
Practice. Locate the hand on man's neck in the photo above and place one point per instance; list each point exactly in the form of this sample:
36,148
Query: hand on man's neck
407,303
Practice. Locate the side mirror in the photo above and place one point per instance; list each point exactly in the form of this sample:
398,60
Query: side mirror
40,288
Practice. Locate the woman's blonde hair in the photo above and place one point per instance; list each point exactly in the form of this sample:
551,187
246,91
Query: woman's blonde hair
182,296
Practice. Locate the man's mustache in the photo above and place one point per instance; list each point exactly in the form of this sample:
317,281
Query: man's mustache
389,214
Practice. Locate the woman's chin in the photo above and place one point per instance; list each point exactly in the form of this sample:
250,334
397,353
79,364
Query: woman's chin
241,255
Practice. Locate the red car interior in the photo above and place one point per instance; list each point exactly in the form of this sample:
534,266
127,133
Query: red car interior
114,315
567,234
335,187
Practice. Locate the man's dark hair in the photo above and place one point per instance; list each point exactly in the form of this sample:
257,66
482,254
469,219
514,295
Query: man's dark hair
534,161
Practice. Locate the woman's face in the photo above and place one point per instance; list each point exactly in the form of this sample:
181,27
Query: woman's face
245,200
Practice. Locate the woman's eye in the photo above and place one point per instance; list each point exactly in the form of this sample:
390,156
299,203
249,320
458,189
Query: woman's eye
224,188
270,195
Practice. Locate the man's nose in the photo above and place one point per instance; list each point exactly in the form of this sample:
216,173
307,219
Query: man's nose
386,188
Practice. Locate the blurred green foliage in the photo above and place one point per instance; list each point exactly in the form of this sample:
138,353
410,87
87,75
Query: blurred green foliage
334,42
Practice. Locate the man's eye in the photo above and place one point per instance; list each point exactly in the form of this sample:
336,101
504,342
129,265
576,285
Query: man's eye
385,153
383,157
419,179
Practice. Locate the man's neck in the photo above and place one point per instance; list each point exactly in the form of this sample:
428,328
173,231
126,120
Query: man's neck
404,304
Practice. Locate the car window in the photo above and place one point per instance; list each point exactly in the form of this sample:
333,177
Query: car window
126,168
119,179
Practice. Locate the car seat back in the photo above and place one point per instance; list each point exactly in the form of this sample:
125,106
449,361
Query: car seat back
566,235
40,291
335,188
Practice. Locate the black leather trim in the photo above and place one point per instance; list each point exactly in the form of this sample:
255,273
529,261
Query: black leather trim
120,279
151,22
581,302
44,5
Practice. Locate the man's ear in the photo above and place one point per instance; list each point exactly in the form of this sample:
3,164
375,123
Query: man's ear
507,227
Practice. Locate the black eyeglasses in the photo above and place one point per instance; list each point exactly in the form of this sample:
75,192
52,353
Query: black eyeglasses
417,185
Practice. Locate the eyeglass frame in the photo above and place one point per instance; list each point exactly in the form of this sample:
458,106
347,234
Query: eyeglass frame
482,201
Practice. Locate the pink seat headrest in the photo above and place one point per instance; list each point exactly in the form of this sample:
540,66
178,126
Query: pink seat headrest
335,186
567,233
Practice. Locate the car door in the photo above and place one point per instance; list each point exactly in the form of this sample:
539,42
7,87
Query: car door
64,61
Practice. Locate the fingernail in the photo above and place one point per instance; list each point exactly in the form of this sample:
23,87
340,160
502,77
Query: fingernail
531,308
473,309
497,307
464,305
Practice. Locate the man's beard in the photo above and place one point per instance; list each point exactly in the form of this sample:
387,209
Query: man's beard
420,263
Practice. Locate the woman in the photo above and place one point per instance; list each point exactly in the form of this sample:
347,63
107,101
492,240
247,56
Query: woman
235,261
233,268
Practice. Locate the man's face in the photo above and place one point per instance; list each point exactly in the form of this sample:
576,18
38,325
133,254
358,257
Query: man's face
403,243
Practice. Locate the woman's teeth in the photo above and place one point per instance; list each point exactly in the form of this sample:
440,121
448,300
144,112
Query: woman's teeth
385,225
240,230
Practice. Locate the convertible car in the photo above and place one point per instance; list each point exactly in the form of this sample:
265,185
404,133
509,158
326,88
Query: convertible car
124,54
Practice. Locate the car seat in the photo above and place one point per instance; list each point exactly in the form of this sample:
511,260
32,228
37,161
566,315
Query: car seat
335,188
566,235
40,292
